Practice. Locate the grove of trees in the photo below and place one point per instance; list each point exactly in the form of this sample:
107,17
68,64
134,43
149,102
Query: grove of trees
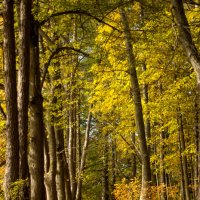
100,99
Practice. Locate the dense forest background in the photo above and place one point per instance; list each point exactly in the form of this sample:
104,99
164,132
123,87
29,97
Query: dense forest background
99,99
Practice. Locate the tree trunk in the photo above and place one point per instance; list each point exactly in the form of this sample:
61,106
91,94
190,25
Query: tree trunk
12,134
60,176
182,176
36,154
105,177
146,100
83,157
162,170
146,171
134,163
79,153
113,161
184,159
23,97
50,176
72,138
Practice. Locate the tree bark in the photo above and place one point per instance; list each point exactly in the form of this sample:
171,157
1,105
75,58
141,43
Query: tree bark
36,154
146,171
83,157
12,134
50,176
60,176
23,95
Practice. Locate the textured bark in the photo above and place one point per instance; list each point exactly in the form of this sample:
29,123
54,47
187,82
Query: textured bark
50,176
23,89
12,134
146,171
192,54
83,158
60,176
36,154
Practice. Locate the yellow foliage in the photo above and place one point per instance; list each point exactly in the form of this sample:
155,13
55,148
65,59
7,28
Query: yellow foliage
131,191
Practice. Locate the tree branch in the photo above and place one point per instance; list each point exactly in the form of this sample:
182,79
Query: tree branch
2,112
133,147
80,12
58,50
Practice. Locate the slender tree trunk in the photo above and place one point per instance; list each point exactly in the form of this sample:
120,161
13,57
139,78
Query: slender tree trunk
113,178
162,170
146,171
105,177
60,176
83,157
67,178
146,100
46,155
50,176
184,159
72,138
192,54
12,134
182,176
36,154
79,150
23,88
134,163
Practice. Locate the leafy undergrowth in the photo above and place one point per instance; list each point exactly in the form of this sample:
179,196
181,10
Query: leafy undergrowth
130,191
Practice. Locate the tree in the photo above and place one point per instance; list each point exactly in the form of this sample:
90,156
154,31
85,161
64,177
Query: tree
191,51
12,138
23,92
36,155
146,170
